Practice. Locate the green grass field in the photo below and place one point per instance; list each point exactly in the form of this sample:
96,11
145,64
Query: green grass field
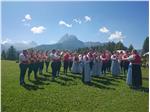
69,94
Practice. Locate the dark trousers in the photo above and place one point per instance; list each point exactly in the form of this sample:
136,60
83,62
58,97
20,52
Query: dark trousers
70,65
47,65
136,76
36,68
58,67
91,65
23,68
83,74
54,69
104,65
108,65
66,65
121,65
41,66
125,66
32,67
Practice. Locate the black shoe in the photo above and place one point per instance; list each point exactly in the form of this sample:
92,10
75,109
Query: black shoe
23,83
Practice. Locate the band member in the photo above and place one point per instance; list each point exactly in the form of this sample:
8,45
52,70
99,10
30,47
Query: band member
41,62
66,62
90,57
86,74
115,66
80,63
31,60
47,61
53,57
97,66
75,65
70,61
108,56
36,63
23,64
136,69
104,62
58,63
120,59
125,62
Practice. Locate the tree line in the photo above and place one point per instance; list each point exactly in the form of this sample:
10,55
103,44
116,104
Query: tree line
13,54
112,46
10,54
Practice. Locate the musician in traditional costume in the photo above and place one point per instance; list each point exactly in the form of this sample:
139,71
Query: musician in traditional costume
23,65
120,60
58,63
75,65
81,63
70,61
41,62
125,62
37,63
31,60
47,61
86,74
53,56
135,59
108,64
90,57
97,65
104,62
66,62
115,65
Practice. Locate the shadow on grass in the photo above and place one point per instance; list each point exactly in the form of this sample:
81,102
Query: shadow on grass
99,86
106,80
46,75
31,87
113,79
40,81
65,78
75,76
122,77
60,82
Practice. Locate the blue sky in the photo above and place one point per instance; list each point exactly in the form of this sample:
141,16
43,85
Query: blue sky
47,22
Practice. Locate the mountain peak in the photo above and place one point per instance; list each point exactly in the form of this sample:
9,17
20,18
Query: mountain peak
68,38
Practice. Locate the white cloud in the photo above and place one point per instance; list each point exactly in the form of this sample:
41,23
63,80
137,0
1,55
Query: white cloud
77,21
117,36
87,19
38,29
7,40
63,23
104,30
28,17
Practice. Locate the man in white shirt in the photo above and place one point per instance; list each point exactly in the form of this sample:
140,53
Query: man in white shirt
23,64
53,56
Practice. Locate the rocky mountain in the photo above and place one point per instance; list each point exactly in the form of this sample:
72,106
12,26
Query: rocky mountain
69,42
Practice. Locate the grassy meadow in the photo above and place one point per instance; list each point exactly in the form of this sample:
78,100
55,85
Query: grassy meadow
69,94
